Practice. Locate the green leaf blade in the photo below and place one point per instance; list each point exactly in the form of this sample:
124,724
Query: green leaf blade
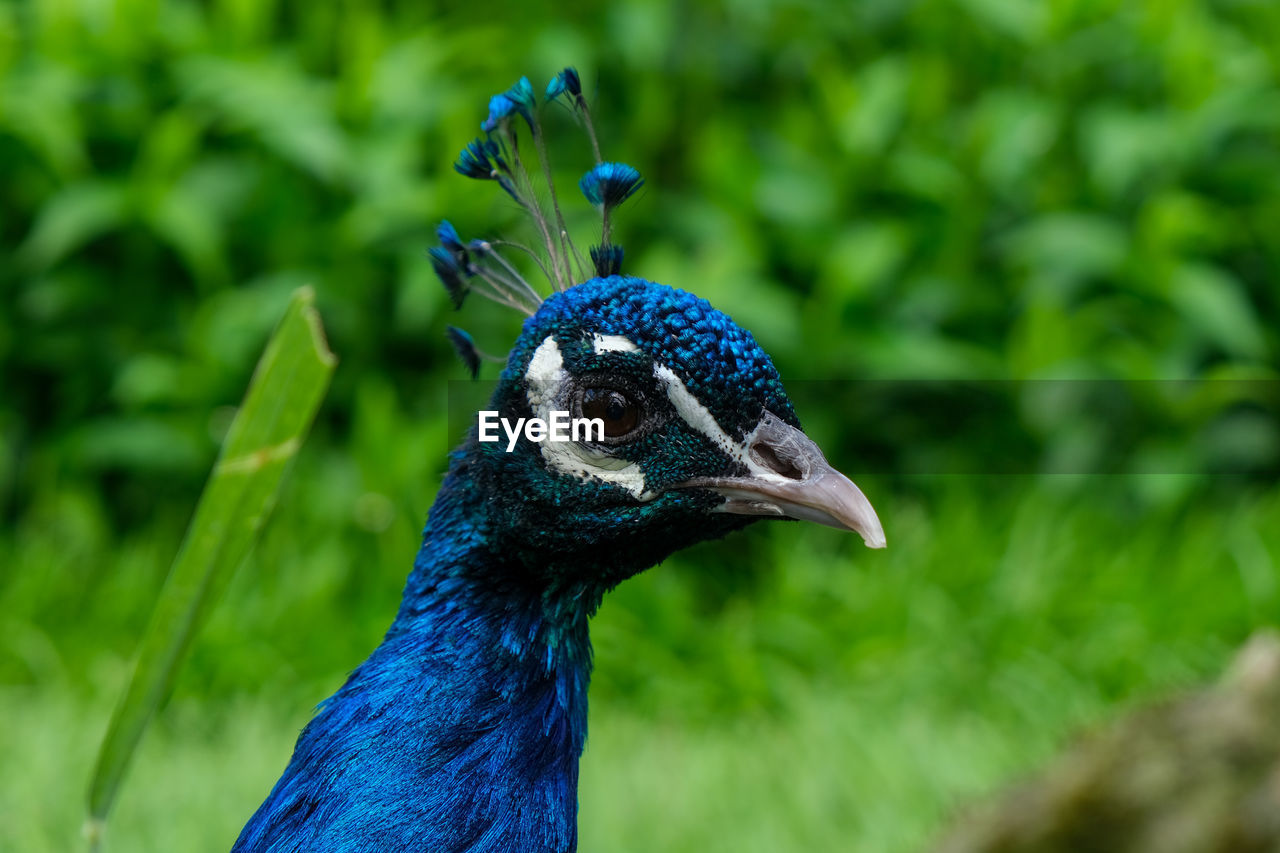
284,394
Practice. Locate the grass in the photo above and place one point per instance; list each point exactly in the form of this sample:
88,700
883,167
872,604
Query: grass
783,690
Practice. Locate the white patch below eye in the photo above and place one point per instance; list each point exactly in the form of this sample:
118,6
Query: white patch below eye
572,458
545,377
612,343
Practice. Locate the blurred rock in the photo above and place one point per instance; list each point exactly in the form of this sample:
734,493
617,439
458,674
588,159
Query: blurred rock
1198,774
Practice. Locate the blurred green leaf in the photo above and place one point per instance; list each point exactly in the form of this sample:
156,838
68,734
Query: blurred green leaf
872,107
73,217
37,105
1123,146
137,444
1016,130
1060,249
1211,301
290,112
1021,20
180,219
861,258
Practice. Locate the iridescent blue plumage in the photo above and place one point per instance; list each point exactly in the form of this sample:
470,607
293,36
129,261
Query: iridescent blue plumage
606,260
610,184
567,81
518,100
465,347
463,729
480,159
719,361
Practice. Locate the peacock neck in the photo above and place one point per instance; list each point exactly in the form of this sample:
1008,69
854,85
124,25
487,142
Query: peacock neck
470,590
490,663
463,729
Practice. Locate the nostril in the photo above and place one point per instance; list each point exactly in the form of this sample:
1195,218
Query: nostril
778,463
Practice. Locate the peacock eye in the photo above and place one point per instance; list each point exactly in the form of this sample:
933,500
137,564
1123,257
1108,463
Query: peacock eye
618,410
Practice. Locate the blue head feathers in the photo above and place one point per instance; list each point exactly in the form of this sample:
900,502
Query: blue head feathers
463,729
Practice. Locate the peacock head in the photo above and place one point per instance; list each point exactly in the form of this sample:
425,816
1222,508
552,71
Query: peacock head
632,419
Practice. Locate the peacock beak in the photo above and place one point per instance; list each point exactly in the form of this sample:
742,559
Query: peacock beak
790,478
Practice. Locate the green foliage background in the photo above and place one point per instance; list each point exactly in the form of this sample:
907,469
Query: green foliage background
942,189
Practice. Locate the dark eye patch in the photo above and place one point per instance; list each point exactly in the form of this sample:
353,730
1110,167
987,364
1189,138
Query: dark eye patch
628,405
620,413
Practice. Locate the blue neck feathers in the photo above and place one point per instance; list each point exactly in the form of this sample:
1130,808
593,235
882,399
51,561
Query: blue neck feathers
463,729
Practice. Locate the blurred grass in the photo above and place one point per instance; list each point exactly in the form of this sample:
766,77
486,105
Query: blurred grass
827,698
939,190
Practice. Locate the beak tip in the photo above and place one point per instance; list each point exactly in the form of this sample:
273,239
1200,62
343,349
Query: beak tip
874,538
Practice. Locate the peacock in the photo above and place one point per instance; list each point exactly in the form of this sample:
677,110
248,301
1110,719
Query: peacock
463,729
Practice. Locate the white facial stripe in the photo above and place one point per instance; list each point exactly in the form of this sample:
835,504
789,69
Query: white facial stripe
612,343
545,378
692,412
